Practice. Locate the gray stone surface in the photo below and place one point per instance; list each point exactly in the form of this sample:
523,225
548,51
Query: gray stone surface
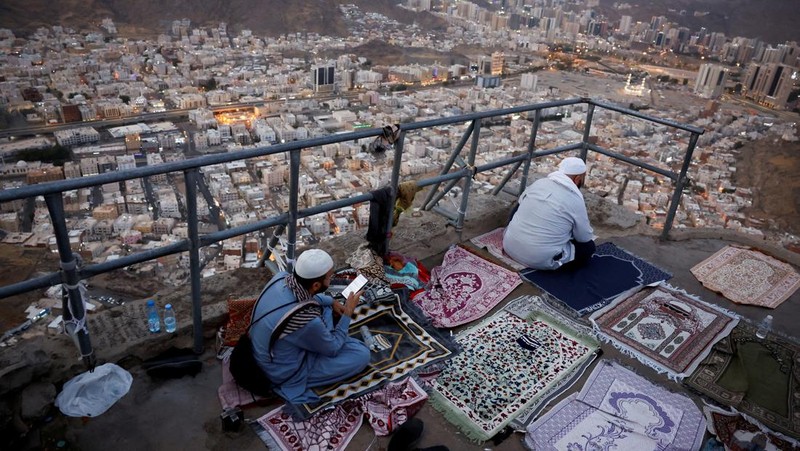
36,400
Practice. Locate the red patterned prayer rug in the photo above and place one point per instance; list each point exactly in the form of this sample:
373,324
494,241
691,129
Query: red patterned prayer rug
464,288
748,277
329,430
664,328
493,242
739,434
385,409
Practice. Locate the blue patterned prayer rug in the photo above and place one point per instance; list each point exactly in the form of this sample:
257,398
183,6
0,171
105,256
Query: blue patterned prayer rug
610,272
619,410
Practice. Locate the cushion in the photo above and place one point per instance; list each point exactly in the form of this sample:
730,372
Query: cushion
240,311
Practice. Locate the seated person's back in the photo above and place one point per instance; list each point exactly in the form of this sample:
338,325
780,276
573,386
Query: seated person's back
551,227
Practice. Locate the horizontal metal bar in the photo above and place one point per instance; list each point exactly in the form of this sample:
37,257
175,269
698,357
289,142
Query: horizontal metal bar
328,206
657,120
489,113
449,214
128,260
498,163
630,160
48,280
223,235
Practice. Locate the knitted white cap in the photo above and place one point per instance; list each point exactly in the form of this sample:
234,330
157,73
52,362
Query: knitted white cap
313,263
572,166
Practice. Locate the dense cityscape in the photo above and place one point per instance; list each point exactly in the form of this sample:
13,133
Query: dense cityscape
95,101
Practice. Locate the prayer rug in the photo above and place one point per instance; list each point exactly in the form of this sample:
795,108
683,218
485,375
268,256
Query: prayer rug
664,328
759,378
610,272
748,277
493,242
402,346
464,288
508,363
618,409
739,434
231,395
523,307
329,430
385,410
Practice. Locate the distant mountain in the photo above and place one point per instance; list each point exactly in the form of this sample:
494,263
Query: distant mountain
773,21
149,17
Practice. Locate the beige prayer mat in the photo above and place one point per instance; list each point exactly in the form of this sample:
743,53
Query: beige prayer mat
748,277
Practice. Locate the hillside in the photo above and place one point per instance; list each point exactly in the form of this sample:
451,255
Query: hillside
774,21
149,17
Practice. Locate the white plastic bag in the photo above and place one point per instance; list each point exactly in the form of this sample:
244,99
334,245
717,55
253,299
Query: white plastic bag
91,394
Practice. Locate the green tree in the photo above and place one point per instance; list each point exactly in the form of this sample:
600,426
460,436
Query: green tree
125,99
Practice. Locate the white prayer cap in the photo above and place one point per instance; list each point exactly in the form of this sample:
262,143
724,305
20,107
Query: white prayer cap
572,166
313,263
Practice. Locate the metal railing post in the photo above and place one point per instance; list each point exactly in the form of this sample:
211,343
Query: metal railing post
586,130
398,159
190,179
506,178
462,211
294,191
428,204
531,148
679,185
74,312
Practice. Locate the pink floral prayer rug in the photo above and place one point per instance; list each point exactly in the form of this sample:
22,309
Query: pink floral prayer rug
464,288
493,242
332,429
748,277
508,364
619,410
664,328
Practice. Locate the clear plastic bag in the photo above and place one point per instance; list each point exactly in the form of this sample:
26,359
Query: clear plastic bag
91,394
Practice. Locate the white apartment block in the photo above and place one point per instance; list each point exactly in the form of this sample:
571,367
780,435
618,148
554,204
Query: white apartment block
168,205
123,223
76,136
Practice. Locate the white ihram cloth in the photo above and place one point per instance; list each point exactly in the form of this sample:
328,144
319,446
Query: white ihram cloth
551,213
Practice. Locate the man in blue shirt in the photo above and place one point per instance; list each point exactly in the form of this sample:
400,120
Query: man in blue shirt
551,229
298,344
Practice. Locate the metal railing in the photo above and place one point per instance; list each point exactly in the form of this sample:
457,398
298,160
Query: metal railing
71,274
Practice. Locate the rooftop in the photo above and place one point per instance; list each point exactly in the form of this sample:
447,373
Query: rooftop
184,413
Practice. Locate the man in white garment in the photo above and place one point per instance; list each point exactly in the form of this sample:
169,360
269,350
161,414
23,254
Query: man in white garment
550,228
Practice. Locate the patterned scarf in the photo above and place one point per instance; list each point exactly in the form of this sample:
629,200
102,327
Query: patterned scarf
300,293
299,317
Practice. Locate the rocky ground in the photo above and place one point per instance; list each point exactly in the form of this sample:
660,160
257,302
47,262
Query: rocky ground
772,170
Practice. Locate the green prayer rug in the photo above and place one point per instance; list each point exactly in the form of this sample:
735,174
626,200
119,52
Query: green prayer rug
757,377
509,363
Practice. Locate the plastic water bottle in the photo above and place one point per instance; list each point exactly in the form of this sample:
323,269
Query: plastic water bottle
169,319
764,327
153,321
366,335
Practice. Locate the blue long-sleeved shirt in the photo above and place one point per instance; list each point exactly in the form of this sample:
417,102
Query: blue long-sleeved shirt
294,354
